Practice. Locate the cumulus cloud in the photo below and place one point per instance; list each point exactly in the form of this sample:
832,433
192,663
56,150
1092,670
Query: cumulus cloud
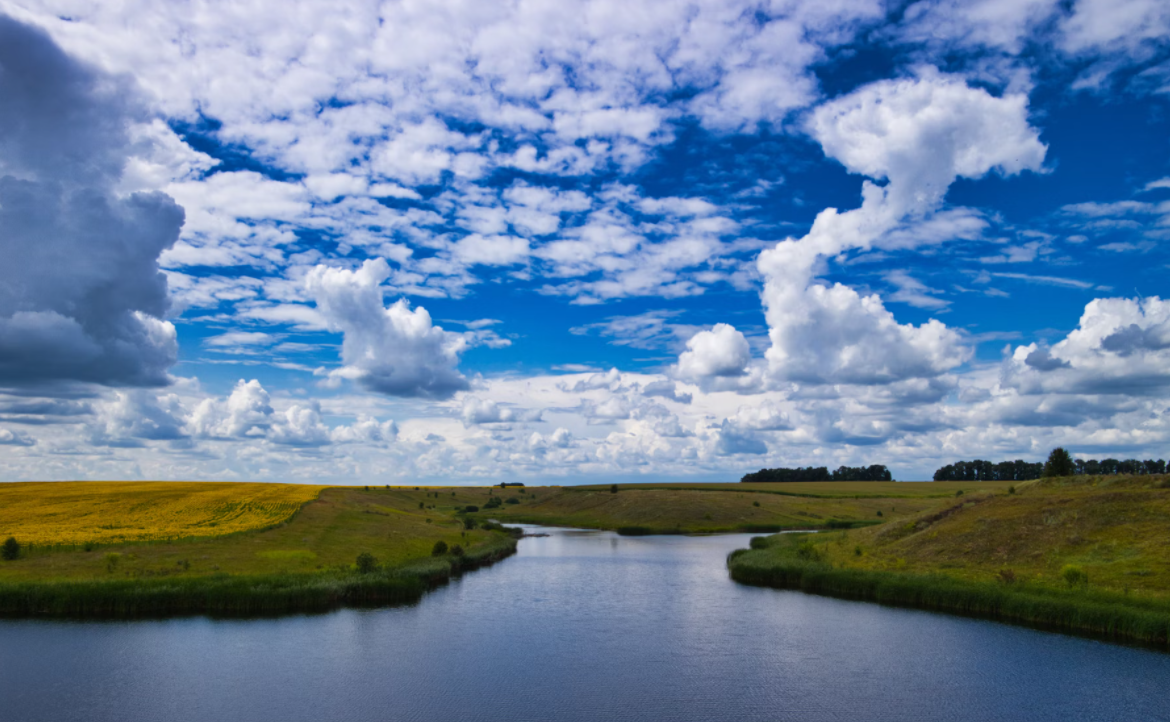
1120,346
919,135
8,437
81,294
135,415
393,350
722,351
479,411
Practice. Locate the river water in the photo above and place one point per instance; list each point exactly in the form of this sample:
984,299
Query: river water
579,626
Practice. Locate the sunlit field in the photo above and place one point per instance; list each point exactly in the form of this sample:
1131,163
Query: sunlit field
76,512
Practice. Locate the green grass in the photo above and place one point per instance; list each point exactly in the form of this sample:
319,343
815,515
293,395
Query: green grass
1086,556
304,564
824,489
657,509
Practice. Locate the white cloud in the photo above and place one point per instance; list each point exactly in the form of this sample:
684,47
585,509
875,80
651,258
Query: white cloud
919,134
480,411
1120,346
722,351
392,350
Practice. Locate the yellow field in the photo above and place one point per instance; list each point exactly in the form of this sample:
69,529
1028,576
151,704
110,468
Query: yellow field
75,512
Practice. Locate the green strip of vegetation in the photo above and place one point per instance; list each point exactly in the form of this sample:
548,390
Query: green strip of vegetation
792,562
243,595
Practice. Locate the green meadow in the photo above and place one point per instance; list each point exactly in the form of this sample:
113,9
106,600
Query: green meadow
1088,555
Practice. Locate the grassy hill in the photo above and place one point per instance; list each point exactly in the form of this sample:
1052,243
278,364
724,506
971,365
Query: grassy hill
699,508
1086,554
304,560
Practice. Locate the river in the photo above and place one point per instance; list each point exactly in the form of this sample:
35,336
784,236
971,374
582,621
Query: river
579,626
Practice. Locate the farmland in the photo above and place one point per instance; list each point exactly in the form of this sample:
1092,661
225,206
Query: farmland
310,548
112,512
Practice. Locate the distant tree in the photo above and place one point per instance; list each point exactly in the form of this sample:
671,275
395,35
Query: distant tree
468,523
1059,463
613,489
366,563
11,549
440,548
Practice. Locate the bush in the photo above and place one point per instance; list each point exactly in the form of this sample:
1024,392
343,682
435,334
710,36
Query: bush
366,563
512,500
879,512
755,503
456,551
808,551
470,508
11,548
613,489
1074,576
440,548
468,523
1012,489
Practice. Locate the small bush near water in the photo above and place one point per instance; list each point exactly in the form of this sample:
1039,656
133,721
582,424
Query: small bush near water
11,549
366,563
440,548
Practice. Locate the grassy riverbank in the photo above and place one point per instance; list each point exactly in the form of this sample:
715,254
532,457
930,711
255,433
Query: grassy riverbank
706,508
1081,555
304,563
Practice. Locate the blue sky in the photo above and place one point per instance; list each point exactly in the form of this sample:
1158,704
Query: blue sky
380,242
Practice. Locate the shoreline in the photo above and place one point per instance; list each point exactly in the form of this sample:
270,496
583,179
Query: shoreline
241,595
1099,615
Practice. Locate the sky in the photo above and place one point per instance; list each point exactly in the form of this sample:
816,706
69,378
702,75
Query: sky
573,241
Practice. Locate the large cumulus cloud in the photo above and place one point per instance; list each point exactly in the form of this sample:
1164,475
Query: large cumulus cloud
395,350
919,135
81,295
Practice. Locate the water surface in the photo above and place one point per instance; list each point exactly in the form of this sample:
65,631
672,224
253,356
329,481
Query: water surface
579,626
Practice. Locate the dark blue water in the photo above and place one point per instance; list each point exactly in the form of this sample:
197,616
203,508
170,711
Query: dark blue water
580,626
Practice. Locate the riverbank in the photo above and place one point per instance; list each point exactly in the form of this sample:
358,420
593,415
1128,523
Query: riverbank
1083,556
636,509
306,563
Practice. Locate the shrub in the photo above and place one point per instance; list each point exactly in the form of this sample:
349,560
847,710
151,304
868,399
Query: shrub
456,551
1012,489
468,523
1074,576
808,551
613,489
470,508
366,563
367,488
857,551
440,548
879,512
493,503
959,492
512,500
755,503
11,548
420,505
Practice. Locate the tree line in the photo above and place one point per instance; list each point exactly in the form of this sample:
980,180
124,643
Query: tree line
875,472
1020,470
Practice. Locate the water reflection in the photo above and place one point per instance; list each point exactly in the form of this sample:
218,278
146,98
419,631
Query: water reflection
580,625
